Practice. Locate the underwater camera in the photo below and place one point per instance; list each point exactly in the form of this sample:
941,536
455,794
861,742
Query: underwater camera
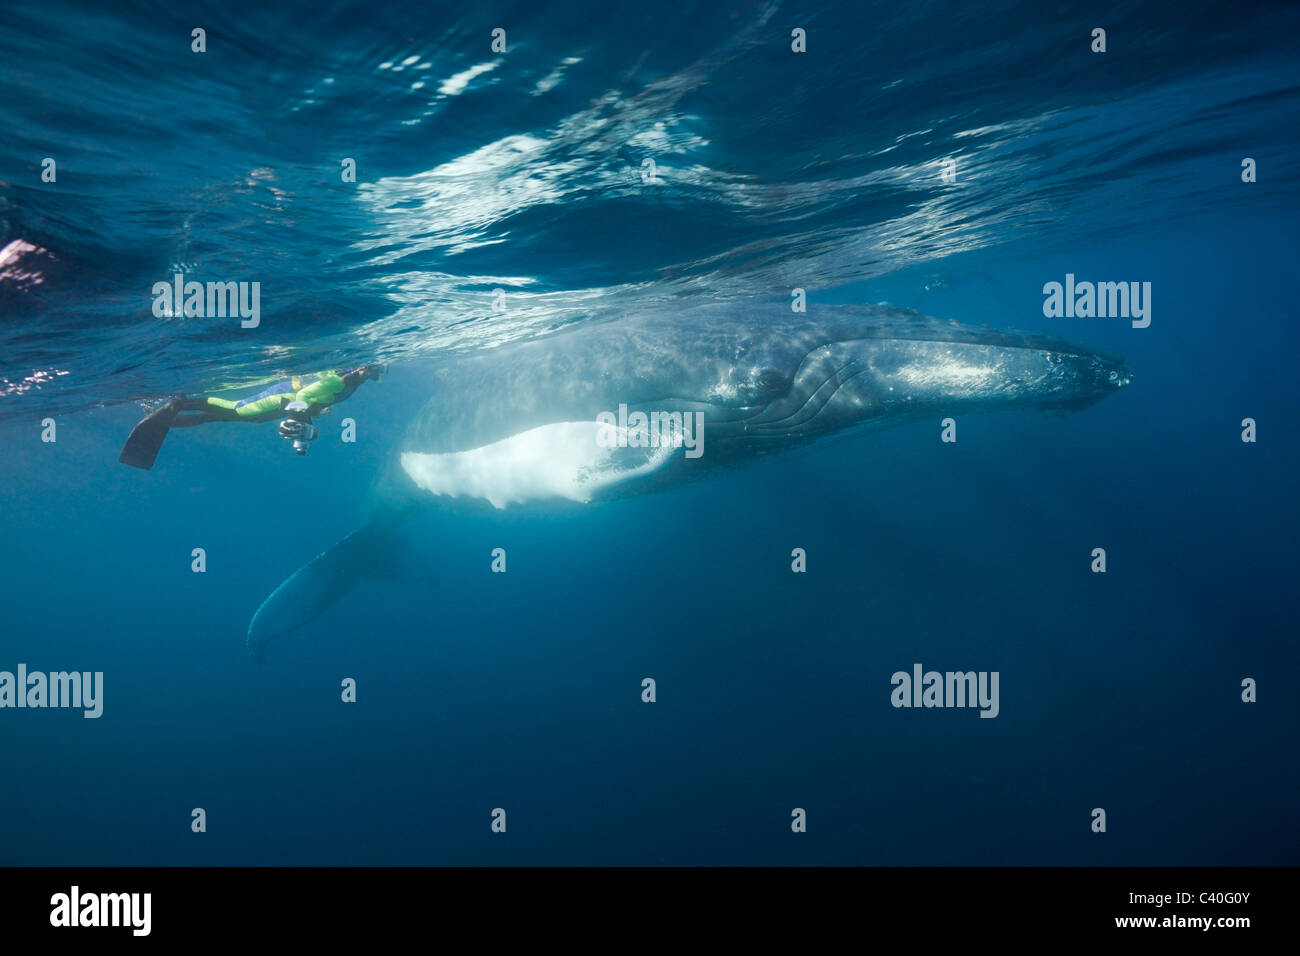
298,428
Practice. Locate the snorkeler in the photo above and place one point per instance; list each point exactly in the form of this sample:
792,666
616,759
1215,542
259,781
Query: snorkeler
299,399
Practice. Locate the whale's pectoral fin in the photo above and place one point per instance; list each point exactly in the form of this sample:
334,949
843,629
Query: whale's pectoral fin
397,562
374,550
391,562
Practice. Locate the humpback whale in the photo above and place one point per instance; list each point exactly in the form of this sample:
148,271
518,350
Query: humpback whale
555,417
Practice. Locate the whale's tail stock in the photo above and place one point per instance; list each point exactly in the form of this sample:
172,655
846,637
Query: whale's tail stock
375,550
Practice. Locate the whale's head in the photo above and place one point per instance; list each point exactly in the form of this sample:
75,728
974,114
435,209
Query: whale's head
891,372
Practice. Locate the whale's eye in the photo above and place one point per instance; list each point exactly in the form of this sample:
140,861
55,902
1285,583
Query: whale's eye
1114,376
772,380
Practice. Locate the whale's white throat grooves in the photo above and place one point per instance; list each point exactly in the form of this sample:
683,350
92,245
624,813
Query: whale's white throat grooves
571,460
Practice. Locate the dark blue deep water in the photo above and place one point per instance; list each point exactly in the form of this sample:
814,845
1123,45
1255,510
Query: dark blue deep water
522,171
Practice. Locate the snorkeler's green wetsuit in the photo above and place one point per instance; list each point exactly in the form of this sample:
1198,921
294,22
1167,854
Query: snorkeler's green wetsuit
316,392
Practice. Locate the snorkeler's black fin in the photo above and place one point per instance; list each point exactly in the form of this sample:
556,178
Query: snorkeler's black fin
141,448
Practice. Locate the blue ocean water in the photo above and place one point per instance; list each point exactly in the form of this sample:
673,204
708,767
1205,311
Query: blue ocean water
525,171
